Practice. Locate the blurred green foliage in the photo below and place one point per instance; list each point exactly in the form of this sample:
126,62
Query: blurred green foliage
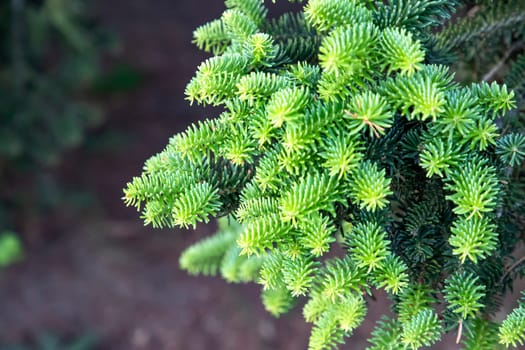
49,58
50,54
10,248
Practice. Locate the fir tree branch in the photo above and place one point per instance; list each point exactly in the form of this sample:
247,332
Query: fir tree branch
336,129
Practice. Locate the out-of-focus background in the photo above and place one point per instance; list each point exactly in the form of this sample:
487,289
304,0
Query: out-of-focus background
88,91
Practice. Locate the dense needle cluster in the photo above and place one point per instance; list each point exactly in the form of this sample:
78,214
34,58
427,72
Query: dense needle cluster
336,128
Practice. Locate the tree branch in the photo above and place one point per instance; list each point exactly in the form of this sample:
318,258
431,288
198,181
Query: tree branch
460,332
512,267
491,73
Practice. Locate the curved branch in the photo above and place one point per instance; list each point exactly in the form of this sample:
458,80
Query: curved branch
512,267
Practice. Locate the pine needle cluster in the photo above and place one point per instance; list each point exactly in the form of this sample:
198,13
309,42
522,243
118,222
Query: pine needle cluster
339,126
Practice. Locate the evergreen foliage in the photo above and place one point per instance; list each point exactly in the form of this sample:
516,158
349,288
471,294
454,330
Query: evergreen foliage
481,334
512,330
40,110
340,125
